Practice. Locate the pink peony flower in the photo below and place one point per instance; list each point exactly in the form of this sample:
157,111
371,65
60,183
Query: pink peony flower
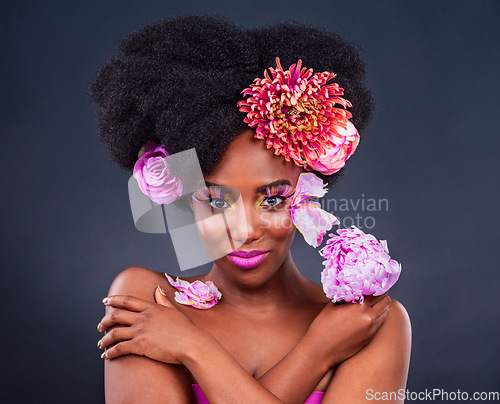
312,221
294,111
335,156
197,294
357,265
154,177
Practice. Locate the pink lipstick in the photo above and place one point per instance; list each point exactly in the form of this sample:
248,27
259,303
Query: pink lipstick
247,259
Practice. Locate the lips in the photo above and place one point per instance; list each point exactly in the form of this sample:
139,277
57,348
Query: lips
247,254
247,259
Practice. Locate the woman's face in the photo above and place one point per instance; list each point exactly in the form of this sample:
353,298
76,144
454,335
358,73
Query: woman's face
248,204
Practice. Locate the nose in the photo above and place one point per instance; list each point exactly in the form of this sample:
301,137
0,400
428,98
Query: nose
247,227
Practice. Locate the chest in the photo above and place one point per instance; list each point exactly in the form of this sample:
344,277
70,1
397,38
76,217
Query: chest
259,341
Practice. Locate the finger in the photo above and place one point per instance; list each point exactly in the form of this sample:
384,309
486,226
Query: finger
161,298
116,316
381,307
379,320
120,349
118,334
127,302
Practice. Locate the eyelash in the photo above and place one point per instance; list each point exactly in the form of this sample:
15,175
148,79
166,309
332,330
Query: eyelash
281,191
210,195
215,194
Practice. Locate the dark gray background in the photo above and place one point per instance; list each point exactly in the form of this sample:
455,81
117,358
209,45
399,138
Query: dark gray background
431,151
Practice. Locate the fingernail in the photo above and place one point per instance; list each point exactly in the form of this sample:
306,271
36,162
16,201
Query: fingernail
103,355
162,291
99,344
99,327
105,300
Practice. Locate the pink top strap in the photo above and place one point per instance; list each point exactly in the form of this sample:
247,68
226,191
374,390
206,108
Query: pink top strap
314,398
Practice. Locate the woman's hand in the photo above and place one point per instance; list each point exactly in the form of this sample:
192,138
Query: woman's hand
156,330
341,330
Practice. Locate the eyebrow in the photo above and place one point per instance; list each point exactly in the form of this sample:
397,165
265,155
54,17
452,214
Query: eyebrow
260,189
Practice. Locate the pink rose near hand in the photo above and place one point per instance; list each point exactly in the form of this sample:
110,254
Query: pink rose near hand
154,176
356,265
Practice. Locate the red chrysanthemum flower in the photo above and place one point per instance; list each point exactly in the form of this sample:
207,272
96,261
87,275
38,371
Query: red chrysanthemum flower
294,111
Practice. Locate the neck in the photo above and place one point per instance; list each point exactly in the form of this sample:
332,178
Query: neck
286,287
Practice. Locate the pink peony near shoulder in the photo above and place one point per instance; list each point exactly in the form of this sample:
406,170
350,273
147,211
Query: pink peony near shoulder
357,265
154,175
201,295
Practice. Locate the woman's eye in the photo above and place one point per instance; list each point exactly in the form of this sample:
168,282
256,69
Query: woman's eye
272,201
219,204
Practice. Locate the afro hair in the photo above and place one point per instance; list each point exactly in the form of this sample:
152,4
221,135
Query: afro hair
177,83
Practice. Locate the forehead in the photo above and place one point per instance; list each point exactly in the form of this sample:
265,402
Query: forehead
248,163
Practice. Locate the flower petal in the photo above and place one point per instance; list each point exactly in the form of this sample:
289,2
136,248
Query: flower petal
310,185
313,222
295,112
357,264
196,294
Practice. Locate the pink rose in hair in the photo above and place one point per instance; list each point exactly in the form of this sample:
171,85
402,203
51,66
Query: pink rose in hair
357,265
342,146
154,176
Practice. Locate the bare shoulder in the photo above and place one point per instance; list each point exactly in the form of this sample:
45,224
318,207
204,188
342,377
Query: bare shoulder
398,319
393,340
392,343
136,281
141,282
381,366
127,376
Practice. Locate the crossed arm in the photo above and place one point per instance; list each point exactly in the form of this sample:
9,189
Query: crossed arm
381,365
